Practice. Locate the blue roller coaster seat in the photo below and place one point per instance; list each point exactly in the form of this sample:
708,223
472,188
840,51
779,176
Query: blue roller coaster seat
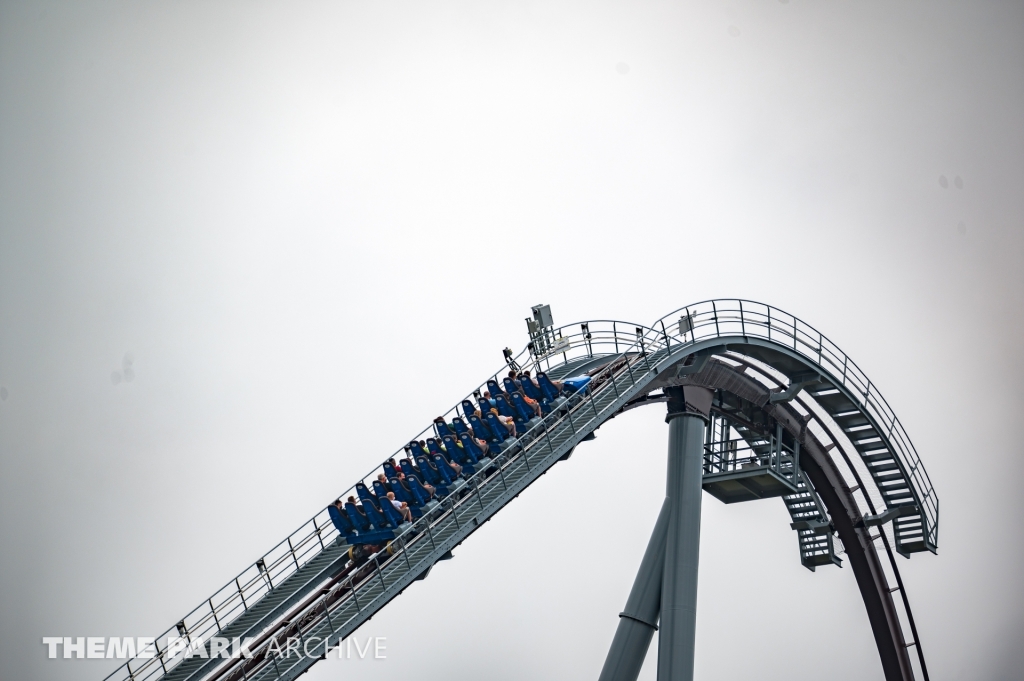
452,449
494,388
510,385
358,519
364,493
547,388
374,515
433,476
418,491
445,470
523,410
390,512
442,428
530,390
458,454
341,521
471,448
481,430
403,493
499,431
408,468
504,408
459,425
427,470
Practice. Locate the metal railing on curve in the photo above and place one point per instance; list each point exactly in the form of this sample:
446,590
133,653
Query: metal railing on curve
634,343
719,318
732,317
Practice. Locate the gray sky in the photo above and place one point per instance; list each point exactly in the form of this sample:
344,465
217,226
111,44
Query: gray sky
313,226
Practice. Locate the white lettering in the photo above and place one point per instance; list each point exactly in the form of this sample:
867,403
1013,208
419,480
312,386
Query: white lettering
377,647
291,643
78,647
120,648
196,647
274,647
175,644
147,647
305,646
365,650
241,647
52,642
219,647
94,647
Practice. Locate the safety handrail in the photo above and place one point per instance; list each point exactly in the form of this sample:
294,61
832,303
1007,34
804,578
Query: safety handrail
634,342
613,373
282,561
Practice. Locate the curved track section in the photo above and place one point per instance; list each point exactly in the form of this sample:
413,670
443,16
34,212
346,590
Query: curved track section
792,416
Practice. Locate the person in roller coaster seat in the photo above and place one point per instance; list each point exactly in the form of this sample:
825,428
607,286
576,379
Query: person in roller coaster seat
506,421
532,403
359,507
526,377
482,444
401,507
383,480
454,466
425,485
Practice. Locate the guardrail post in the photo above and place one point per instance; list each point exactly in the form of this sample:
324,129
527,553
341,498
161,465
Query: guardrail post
501,472
241,595
568,413
291,549
352,588
213,610
273,658
430,535
160,655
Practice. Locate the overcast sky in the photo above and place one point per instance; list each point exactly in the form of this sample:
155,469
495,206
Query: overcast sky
247,249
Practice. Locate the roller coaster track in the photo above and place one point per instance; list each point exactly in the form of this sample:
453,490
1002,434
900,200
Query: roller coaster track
806,417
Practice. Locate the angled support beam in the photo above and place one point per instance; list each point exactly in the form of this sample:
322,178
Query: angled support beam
639,620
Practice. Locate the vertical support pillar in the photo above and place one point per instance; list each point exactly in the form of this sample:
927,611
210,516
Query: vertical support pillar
638,621
688,410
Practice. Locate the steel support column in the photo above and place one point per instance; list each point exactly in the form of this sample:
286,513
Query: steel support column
638,621
682,547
